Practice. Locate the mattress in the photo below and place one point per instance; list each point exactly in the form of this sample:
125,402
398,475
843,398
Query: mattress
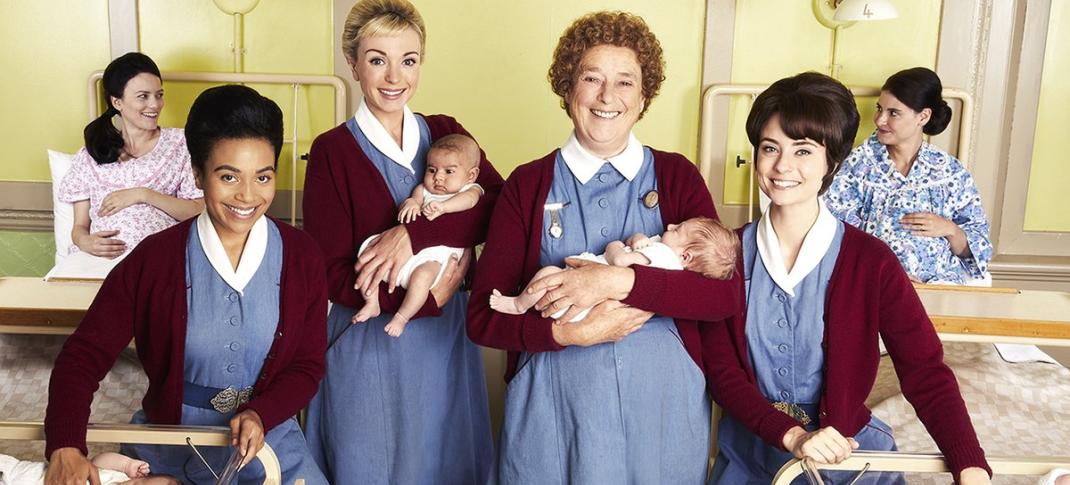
1017,409
25,366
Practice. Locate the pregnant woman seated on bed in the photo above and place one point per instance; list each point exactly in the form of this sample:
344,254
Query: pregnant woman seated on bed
132,178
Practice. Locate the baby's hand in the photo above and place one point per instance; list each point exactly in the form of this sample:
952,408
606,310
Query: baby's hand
137,469
615,245
639,241
409,211
432,210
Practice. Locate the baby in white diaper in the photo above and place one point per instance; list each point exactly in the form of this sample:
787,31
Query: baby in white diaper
698,244
449,186
115,469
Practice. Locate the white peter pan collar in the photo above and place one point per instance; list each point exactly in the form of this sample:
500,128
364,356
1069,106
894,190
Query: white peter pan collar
585,165
377,134
251,256
815,245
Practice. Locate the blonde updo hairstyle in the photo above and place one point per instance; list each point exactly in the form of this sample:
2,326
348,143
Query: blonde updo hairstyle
369,18
619,29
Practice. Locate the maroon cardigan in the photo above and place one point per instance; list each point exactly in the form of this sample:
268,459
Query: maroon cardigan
346,201
144,298
869,294
511,258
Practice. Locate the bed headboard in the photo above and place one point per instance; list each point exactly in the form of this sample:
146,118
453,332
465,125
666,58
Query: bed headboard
714,132
296,81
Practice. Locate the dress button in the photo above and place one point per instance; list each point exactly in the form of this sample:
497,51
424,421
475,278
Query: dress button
620,363
235,346
603,203
782,323
784,395
233,321
604,231
408,179
783,348
232,368
232,296
278,334
602,177
783,371
781,297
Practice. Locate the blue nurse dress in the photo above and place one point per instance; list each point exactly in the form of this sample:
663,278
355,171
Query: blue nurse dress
634,411
784,345
411,409
228,336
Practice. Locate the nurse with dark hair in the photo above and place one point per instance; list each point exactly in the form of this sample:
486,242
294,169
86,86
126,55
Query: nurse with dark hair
227,311
793,370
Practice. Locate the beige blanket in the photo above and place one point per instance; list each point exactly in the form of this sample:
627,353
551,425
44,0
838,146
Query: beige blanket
1017,409
25,365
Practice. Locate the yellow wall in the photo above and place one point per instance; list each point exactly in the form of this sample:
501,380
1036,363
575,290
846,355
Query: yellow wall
49,50
187,35
486,65
776,39
280,37
1045,208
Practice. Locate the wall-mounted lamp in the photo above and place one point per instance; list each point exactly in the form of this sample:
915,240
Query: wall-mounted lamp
840,14
238,9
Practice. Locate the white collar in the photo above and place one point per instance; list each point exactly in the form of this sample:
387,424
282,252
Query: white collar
584,165
251,256
814,246
377,134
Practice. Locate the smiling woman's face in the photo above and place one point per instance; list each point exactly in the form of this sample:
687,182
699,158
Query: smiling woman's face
238,183
789,170
606,99
388,70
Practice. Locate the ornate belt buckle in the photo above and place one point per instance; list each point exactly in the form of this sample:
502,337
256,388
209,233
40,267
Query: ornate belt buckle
230,398
793,411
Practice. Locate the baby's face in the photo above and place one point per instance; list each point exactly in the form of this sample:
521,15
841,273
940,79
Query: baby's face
677,236
447,172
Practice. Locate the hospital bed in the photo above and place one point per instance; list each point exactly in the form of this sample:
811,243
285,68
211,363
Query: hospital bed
149,434
1018,409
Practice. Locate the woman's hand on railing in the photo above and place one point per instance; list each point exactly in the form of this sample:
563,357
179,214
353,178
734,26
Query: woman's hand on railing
826,445
609,321
383,259
68,466
247,434
585,285
974,476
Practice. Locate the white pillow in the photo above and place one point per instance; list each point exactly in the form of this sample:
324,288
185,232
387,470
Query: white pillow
62,212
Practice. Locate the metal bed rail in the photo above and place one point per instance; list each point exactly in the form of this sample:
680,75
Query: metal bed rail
296,81
707,157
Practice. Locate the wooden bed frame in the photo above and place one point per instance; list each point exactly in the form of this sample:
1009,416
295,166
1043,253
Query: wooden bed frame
150,434
924,463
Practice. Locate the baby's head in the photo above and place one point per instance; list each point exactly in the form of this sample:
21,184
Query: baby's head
705,246
452,163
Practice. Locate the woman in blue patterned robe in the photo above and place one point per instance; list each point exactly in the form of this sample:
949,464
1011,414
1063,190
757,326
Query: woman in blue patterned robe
912,195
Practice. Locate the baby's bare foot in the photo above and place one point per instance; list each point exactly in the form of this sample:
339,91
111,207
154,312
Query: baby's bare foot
505,304
396,326
365,314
